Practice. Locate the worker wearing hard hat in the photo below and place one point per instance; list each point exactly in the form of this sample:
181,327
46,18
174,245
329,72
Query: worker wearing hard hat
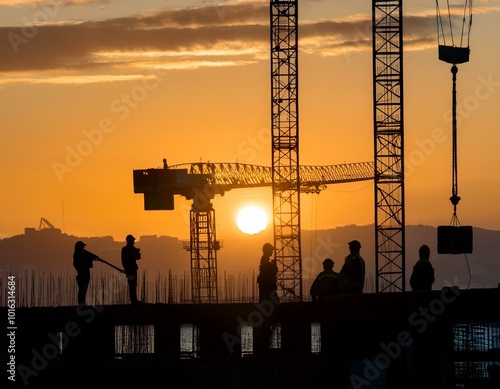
268,271
352,274
422,276
326,282
82,262
130,255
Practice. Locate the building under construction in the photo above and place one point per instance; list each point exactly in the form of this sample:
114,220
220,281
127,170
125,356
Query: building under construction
448,338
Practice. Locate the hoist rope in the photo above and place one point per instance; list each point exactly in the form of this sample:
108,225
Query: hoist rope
466,26
454,166
467,7
449,21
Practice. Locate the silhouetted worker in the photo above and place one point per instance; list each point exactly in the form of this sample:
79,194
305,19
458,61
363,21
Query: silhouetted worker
352,274
130,255
326,282
82,262
267,274
422,276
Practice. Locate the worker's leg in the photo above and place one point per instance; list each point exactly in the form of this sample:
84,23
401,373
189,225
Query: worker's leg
83,285
132,287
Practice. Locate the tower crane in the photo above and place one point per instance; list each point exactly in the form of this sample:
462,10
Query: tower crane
201,182
285,176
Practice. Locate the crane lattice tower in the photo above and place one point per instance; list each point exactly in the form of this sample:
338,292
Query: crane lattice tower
285,148
388,123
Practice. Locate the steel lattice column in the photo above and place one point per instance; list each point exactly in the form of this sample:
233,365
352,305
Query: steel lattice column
285,148
389,146
203,249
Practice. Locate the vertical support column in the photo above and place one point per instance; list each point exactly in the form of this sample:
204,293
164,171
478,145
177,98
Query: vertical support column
285,148
387,23
203,248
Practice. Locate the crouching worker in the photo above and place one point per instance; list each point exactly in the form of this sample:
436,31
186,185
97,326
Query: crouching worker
326,282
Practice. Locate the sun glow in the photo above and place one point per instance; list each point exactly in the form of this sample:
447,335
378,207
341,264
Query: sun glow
251,220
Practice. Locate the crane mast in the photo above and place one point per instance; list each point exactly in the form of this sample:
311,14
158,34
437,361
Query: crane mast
387,27
203,247
285,148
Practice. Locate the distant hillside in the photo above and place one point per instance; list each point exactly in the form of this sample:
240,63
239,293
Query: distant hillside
50,251
450,269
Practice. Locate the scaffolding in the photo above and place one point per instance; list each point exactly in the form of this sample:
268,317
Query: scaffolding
476,347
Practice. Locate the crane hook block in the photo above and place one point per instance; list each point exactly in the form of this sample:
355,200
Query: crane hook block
454,239
455,199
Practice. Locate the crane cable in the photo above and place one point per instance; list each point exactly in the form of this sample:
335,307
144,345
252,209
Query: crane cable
465,32
455,198
455,55
466,24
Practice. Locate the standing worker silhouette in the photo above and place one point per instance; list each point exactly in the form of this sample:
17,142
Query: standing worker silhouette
82,262
267,274
326,282
268,271
130,256
352,274
422,276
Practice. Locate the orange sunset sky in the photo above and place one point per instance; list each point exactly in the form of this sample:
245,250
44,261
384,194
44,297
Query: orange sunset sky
91,90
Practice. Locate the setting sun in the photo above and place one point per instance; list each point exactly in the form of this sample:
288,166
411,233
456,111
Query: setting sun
251,220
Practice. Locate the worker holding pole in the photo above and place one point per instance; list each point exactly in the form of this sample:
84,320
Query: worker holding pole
111,265
82,262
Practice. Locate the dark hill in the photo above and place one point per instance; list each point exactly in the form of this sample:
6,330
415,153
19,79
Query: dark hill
50,251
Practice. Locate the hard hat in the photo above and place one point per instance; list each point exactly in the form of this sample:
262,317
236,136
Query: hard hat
424,250
129,238
80,244
268,246
355,243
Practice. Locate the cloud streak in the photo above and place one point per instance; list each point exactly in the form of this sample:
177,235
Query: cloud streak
17,3
226,35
